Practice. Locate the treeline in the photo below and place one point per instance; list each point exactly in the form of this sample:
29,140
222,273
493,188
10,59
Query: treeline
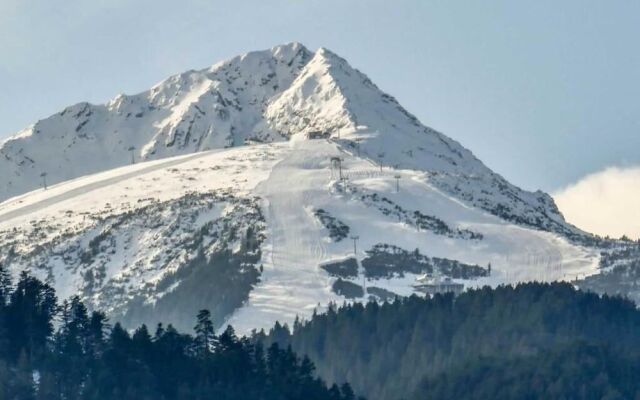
570,371
61,351
532,341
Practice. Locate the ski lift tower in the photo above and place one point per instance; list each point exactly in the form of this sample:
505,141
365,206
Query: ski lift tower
131,149
44,180
336,162
355,239
355,246
357,142
397,177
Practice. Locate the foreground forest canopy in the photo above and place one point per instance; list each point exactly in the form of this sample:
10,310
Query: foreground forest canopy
532,341
85,358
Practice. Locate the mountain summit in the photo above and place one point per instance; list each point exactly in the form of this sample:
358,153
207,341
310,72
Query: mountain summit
217,107
259,188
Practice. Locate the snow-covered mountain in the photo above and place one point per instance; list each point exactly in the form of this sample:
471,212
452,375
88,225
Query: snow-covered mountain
221,188
262,96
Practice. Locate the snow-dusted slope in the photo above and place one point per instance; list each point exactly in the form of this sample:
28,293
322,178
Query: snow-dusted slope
126,236
234,202
129,240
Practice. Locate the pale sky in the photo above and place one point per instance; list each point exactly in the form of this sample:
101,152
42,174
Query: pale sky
544,92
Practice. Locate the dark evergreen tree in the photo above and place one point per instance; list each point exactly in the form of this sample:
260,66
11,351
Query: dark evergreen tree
5,285
29,317
23,384
205,334
5,293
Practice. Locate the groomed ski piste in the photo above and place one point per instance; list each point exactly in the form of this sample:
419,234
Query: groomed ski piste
291,181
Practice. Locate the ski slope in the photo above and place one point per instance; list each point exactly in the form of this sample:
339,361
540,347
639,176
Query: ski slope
292,282
291,180
25,205
294,285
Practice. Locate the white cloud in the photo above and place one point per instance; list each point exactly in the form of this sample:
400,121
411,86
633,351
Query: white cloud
606,202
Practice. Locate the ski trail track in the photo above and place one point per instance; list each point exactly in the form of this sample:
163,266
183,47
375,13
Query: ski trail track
91,186
292,280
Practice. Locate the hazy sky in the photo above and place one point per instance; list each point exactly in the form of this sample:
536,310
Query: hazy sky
544,92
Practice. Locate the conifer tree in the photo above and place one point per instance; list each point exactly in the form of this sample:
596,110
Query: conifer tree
205,334
5,285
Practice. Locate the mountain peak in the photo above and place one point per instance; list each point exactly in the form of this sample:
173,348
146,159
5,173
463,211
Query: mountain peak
288,50
330,56
287,54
